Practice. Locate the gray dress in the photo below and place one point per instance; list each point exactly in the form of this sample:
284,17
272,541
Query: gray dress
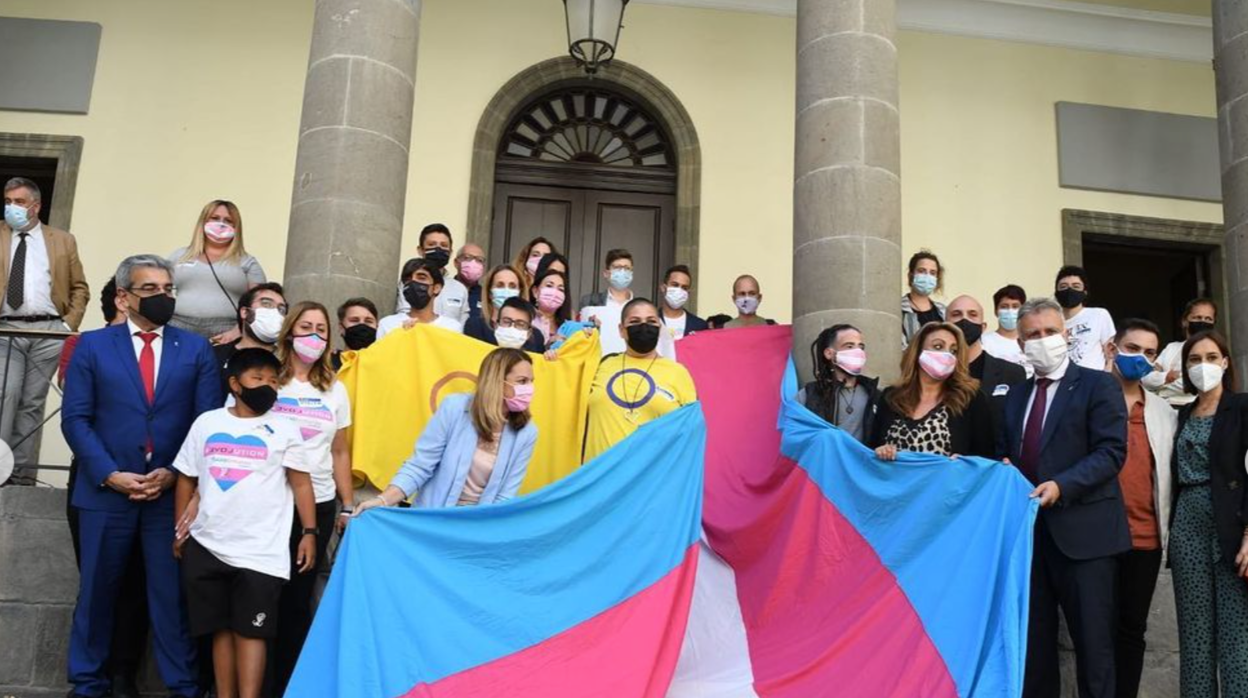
1210,599
205,306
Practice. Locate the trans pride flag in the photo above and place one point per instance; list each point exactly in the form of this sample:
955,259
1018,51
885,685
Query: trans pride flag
709,555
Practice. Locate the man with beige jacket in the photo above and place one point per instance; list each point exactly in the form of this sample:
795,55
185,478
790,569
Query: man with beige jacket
43,289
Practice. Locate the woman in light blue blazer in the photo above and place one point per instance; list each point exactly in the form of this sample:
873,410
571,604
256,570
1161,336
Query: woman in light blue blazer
477,447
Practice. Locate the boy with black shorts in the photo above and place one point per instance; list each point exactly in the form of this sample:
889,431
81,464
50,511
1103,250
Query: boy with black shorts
241,471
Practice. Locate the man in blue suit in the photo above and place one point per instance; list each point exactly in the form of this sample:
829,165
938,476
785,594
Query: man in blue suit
131,394
1066,430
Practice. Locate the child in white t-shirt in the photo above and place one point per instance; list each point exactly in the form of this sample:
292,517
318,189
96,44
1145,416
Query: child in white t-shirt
241,473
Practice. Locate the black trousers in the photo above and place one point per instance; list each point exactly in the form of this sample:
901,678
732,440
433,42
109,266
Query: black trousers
129,642
1086,593
294,616
1137,579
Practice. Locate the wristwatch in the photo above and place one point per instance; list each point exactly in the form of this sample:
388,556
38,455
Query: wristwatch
310,531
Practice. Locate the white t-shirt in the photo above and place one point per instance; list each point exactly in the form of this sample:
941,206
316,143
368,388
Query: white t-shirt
1006,349
390,323
676,328
1089,330
317,416
245,504
1171,359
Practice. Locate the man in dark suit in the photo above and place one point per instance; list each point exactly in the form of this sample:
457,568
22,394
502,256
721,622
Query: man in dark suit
131,394
996,377
1066,431
677,283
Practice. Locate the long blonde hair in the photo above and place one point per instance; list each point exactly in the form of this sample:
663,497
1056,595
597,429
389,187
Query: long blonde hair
488,411
959,388
321,373
197,247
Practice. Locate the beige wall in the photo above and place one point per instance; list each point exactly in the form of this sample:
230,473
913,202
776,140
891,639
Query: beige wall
196,99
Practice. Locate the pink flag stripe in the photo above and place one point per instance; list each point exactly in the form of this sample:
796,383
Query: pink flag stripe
628,650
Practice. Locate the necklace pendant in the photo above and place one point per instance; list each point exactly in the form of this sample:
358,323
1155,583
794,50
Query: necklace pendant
849,409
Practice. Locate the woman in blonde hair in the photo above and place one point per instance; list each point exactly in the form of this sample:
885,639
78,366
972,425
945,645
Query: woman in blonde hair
477,447
212,273
312,398
936,406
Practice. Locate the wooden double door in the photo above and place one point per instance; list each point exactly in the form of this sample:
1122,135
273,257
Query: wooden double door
584,224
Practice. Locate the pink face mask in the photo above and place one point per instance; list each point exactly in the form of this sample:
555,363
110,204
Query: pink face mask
309,347
471,270
531,265
550,299
218,232
851,361
522,397
938,364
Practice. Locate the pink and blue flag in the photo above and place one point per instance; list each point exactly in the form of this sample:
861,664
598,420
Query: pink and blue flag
738,548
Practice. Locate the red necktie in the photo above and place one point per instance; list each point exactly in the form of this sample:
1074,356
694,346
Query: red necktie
1034,430
147,369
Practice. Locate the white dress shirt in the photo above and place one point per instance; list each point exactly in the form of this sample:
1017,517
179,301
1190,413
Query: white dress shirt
37,298
1056,377
157,343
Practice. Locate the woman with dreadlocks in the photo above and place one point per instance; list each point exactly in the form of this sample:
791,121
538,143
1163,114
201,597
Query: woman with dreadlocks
840,393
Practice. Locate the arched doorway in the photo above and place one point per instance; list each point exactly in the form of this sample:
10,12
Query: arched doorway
591,164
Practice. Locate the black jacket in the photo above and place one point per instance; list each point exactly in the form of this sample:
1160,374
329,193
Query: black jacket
823,402
1228,442
971,433
997,378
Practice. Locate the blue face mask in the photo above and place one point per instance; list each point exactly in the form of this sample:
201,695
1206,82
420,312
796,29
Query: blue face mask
498,296
1008,318
924,284
16,216
1133,367
621,279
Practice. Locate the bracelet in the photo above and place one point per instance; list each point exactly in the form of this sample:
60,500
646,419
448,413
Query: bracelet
309,531
383,501
347,511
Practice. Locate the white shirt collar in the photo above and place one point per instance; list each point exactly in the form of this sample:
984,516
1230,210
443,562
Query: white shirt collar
135,329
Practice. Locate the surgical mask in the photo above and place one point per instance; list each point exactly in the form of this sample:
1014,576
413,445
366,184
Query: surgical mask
218,232
438,256
851,361
1046,354
16,216
924,284
676,297
522,397
1197,326
971,330
471,270
748,305
510,337
498,296
309,347
360,336
266,324
642,337
531,265
1133,367
1008,319
621,279
550,299
417,295
1070,298
938,364
158,309
259,399
1206,377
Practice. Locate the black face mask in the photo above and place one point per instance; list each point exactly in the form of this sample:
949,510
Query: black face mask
417,295
157,309
1197,326
642,338
259,399
971,330
360,336
438,256
1070,298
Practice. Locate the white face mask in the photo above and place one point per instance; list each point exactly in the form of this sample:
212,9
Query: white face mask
676,297
510,337
1047,354
266,324
1206,377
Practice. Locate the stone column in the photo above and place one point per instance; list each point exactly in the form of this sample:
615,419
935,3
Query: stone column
346,214
847,189
1230,59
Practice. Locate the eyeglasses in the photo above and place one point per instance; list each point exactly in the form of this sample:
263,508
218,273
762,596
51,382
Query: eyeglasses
153,289
518,324
471,258
270,303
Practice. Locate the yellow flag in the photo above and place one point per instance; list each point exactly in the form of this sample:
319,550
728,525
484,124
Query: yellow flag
397,384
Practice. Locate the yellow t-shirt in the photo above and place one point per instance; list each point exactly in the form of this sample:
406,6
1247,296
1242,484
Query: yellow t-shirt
628,392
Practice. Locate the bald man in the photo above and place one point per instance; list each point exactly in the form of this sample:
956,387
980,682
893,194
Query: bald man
747,296
470,265
996,377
